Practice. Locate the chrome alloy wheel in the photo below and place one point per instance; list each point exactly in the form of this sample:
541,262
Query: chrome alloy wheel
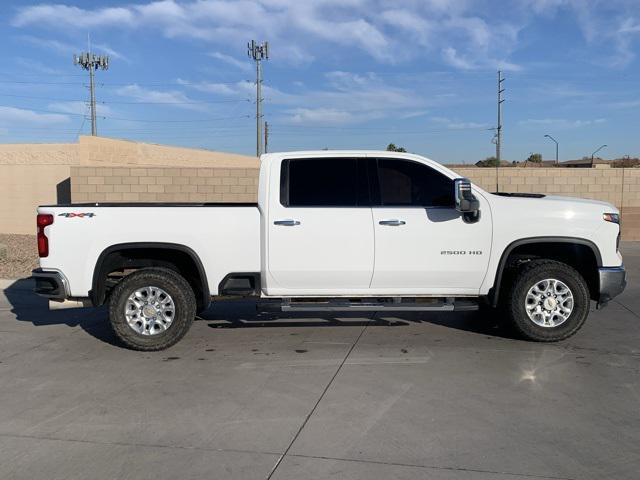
549,303
149,310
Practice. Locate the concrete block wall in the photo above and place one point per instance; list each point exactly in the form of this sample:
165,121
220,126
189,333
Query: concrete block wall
36,174
172,184
618,186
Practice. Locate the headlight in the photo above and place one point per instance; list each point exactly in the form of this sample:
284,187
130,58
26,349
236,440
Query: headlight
611,217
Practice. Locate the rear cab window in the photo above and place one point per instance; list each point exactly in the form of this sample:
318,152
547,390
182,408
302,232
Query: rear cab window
324,182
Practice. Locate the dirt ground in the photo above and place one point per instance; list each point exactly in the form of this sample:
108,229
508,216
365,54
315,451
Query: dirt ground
22,255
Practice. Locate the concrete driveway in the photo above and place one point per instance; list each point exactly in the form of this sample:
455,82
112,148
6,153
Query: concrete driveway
246,396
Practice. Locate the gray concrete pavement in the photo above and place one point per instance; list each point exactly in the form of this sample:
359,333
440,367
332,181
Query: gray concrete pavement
444,396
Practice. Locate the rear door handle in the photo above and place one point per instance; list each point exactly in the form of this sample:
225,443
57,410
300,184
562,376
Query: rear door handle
287,223
393,223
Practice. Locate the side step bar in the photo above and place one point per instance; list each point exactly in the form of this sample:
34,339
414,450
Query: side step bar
394,305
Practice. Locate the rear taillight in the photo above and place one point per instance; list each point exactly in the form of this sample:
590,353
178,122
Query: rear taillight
42,221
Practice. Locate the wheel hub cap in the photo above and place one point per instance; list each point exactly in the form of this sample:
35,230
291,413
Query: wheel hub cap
549,303
149,310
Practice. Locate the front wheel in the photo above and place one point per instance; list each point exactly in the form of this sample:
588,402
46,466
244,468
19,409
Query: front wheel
548,302
152,309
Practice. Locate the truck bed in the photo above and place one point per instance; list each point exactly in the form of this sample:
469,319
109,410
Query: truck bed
225,236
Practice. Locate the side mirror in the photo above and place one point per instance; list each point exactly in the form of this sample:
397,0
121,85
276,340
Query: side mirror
466,202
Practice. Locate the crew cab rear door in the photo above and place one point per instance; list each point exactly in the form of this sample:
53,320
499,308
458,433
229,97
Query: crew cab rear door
320,230
423,245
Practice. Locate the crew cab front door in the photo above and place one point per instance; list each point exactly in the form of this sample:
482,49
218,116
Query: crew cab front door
320,231
422,244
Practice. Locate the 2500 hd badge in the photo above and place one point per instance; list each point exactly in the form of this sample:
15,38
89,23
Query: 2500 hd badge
461,252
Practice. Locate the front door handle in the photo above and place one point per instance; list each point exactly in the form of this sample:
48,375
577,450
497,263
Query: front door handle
393,223
287,223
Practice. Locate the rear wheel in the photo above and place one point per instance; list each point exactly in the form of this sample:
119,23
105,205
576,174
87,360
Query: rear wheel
152,309
549,301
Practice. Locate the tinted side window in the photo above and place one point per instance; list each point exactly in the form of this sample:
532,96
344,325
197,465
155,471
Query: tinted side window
332,182
407,183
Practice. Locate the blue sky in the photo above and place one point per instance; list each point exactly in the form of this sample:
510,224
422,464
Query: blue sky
342,74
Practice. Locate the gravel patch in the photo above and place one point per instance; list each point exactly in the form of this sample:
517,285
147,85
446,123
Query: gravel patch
21,258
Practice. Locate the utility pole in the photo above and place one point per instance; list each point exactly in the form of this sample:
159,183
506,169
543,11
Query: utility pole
599,148
499,127
266,137
556,142
91,62
258,52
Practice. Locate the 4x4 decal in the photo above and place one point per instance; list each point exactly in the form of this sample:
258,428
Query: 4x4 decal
79,215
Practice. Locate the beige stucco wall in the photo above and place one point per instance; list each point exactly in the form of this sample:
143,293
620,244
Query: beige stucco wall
34,174
22,189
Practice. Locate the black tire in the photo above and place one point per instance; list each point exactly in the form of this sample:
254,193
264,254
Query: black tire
172,283
526,277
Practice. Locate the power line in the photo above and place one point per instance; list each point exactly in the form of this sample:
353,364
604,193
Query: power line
40,83
26,74
175,121
198,102
107,117
133,82
104,102
160,84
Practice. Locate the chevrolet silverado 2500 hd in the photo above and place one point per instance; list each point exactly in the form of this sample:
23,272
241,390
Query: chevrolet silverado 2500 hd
347,230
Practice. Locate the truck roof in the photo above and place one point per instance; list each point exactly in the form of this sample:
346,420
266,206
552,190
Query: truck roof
341,152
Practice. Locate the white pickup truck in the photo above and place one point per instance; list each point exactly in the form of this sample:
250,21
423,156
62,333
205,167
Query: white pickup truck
337,230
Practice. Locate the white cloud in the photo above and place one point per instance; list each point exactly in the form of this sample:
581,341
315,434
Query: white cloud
244,66
626,104
106,49
211,87
11,116
79,108
31,65
457,125
297,28
452,57
346,98
61,48
560,122
168,97
323,116
63,16
599,27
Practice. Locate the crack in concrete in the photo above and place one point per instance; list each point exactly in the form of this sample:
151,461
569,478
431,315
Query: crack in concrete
431,467
135,444
315,406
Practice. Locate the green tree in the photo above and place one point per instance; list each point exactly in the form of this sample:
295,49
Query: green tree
535,158
488,162
625,162
392,148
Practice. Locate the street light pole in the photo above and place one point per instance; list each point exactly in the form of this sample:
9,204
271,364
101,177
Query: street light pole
599,148
556,142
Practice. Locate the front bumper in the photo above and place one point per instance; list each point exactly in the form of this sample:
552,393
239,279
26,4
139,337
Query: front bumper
50,284
613,281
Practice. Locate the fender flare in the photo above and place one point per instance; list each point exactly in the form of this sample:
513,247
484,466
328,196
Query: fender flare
495,290
97,292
